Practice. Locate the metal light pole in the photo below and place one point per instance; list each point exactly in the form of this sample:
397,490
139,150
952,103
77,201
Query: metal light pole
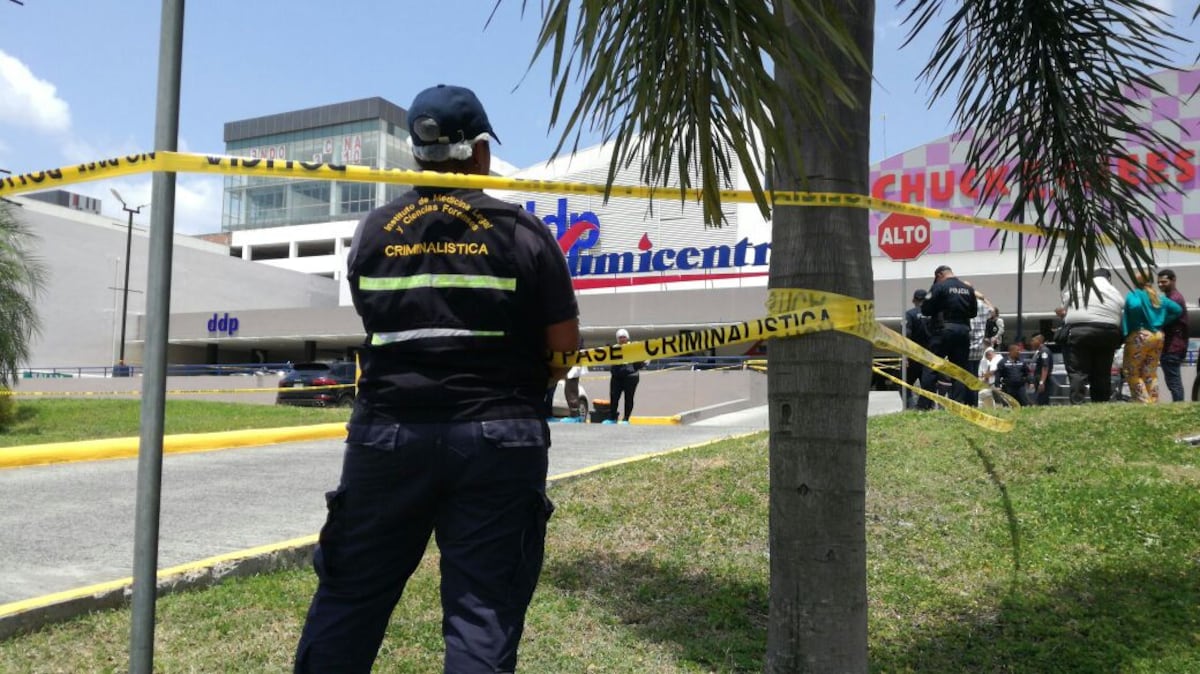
1020,336
1020,287
154,383
125,288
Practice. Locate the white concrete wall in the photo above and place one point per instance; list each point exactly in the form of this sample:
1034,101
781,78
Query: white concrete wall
85,254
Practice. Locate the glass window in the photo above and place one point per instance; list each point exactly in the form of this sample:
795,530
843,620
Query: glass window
232,216
251,202
357,197
310,201
266,206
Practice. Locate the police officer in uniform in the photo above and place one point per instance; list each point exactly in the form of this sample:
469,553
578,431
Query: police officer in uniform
1043,365
1012,375
950,306
916,328
461,296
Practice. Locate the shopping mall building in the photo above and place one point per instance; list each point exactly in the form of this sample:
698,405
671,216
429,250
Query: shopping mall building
271,286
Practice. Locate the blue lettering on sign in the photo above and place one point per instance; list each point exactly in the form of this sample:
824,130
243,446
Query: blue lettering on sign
224,325
578,232
575,232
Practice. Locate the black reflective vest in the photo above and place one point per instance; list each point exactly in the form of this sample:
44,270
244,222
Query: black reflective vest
950,301
436,278
1012,373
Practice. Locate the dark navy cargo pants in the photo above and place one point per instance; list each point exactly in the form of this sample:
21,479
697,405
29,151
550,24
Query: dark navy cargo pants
480,487
953,343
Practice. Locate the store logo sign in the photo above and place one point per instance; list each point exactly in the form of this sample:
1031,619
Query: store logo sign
577,232
224,325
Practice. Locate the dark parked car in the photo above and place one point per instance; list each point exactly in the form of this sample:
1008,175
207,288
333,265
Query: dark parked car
317,384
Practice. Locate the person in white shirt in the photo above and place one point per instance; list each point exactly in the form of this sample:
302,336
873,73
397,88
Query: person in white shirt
987,374
1093,335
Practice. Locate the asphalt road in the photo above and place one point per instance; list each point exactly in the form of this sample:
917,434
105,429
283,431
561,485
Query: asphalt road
67,526
71,525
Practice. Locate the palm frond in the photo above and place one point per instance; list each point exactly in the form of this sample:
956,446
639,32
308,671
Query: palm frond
22,278
672,82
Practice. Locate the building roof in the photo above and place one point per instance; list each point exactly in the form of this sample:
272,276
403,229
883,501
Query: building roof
320,116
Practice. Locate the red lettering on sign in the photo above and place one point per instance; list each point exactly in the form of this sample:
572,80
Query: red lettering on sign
916,186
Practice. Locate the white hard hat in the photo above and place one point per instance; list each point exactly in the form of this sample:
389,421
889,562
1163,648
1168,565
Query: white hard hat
622,332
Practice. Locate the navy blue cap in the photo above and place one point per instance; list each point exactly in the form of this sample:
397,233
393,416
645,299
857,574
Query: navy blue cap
447,114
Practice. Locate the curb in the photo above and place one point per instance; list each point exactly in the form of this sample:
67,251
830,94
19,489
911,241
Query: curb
125,448
32,614
656,421
698,414
29,615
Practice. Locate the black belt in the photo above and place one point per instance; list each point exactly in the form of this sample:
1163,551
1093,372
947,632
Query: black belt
1093,324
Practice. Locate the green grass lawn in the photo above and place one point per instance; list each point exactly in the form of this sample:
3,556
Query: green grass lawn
70,419
1068,545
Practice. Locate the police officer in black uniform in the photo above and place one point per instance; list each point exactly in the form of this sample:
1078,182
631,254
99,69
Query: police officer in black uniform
1043,365
461,296
1012,375
916,328
950,306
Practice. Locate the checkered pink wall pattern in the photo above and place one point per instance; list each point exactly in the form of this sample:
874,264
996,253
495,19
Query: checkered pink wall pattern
935,175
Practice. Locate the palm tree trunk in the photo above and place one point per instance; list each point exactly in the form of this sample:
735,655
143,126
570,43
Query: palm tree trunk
818,388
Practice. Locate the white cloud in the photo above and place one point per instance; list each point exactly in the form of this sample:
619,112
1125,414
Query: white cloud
197,201
76,151
30,102
198,204
198,197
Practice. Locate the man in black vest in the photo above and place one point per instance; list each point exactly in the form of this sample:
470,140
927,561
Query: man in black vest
950,306
461,296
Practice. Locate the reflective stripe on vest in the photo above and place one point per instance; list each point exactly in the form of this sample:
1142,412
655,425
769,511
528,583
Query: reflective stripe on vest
437,281
407,335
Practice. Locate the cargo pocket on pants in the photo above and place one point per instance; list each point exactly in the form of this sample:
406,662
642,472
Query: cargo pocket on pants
533,550
329,540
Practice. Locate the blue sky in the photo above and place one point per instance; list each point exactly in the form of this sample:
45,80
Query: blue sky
77,78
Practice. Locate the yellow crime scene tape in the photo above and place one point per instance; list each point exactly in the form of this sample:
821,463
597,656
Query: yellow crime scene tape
184,162
793,313
790,312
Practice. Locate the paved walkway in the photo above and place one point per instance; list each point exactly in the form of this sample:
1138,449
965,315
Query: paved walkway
69,526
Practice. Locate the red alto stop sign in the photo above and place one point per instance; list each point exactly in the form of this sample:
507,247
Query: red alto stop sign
904,237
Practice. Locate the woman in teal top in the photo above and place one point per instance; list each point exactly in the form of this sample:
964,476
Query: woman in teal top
1142,320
